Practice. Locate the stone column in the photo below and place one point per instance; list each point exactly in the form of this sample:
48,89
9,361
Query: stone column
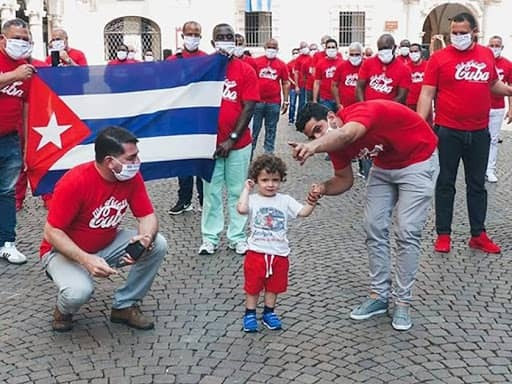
8,10
55,14
35,14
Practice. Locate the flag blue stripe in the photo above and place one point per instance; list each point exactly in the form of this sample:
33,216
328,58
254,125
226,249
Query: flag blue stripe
150,171
66,81
165,123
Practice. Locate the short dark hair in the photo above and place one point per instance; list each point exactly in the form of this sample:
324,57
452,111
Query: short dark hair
110,140
331,40
17,22
416,45
269,163
308,112
166,53
465,16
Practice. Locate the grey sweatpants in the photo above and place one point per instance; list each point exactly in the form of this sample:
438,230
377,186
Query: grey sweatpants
411,190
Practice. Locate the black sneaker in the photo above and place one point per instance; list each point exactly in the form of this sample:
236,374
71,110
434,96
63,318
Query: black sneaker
179,208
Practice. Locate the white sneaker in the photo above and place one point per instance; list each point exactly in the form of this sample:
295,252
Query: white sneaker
207,248
491,177
240,247
11,254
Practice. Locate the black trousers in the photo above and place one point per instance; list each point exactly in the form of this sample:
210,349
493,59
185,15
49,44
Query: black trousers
473,148
186,187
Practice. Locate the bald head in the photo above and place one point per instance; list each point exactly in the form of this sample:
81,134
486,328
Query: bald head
386,41
272,43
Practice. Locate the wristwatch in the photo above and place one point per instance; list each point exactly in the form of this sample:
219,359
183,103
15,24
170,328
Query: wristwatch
233,136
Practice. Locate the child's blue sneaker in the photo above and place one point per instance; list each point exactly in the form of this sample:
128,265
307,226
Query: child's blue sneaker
250,323
271,321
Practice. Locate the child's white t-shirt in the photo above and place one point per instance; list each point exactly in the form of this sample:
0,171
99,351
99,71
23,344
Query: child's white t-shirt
268,220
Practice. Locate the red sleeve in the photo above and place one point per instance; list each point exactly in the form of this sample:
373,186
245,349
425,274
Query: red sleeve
508,78
81,60
406,80
431,72
339,160
284,72
318,70
251,90
140,204
494,74
66,202
363,71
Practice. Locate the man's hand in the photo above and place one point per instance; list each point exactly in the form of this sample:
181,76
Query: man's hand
64,56
224,148
98,267
508,116
24,72
284,107
302,151
146,240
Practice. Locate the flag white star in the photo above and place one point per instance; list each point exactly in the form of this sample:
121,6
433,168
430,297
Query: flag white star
51,133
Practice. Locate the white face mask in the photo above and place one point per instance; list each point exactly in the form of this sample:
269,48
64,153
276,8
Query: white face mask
497,51
131,55
304,51
404,51
385,55
271,53
18,49
225,47
461,42
239,51
128,171
355,60
191,43
149,58
57,45
331,52
415,56
122,55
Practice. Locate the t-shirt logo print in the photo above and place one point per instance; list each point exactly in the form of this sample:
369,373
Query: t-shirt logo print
501,73
472,71
365,153
269,219
381,83
110,214
228,93
12,89
268,73
351,80
417,77
329,72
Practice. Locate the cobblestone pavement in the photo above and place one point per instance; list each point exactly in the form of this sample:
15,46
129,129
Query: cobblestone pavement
462,308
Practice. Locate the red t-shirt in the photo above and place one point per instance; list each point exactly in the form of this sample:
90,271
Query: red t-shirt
307,71
184,54
291,66
346,75
463,80
325,71
383,80
240,85
298,68
127,61
249,60
395,138
12,97
404,59
270,74
75,55
504,67
417,75
89,208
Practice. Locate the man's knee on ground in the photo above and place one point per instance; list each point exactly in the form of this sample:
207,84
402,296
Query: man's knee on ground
72,298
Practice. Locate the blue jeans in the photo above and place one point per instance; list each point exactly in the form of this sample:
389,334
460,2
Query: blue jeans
76,285
270,113
186,188
293,105
302,99
10,165
331,104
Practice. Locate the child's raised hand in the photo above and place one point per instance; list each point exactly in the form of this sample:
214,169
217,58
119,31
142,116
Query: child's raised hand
249,184
315,193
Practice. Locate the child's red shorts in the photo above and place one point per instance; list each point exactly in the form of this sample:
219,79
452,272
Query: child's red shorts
263,271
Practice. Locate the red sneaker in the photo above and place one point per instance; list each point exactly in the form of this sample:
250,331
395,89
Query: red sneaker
483,243
443,243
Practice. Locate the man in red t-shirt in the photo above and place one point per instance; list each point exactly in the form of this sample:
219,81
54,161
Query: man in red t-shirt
82,238
191,35
293,94
272,80
307,70
345,79
325,72
383,76
67,55
403,51
122,56
233,153
241,51
498,106
417,67
15,73
403,147
461,77
299,78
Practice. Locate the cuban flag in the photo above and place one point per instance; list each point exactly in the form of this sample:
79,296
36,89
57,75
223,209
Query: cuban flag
172,107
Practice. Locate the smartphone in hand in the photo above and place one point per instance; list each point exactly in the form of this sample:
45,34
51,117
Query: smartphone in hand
134,250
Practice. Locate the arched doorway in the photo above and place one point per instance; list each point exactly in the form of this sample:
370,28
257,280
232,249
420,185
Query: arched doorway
134,30
438,21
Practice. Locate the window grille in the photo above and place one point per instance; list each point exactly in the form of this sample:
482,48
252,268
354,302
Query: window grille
352,26
258,28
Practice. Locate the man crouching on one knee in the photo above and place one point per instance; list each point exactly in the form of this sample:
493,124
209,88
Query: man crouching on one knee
81,235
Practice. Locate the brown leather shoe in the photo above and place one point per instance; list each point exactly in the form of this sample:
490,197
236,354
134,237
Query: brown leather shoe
61,322
131,316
